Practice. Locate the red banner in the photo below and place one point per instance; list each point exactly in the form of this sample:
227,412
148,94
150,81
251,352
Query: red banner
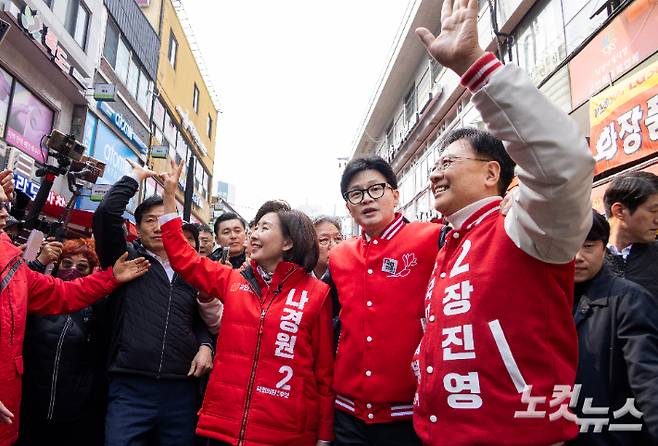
624,120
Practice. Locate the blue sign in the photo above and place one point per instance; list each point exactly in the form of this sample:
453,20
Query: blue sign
109,149
123,126
90,131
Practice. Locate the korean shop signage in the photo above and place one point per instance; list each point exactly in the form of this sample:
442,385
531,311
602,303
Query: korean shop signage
624,120
189,126
625,42
123,126
31,22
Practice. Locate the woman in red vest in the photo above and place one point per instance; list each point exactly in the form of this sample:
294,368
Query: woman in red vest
272,374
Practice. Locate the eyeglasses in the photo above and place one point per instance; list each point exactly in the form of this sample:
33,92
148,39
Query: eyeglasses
444,163
328,241
80,267
375,191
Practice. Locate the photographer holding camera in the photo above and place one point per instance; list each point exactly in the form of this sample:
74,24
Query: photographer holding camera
24,291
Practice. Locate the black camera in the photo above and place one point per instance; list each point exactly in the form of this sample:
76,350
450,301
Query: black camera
64,145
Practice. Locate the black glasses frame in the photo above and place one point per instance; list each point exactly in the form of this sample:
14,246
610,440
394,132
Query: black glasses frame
368,190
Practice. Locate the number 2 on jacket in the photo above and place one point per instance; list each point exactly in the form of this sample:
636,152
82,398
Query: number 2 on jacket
287,371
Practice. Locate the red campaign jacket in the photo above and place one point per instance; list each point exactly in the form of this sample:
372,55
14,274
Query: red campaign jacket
497,320
381,286
272,374
31,292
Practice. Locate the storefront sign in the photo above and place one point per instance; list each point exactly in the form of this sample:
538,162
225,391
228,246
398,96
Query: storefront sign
105,92
123,126
624,120
29,120
43,36
98,191
197,200
159,152
626,41
189,126
31,188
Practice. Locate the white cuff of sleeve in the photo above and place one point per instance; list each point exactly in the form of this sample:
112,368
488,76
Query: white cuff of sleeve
168,217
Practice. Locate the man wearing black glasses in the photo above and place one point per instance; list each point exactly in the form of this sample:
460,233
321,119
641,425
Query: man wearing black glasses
380,280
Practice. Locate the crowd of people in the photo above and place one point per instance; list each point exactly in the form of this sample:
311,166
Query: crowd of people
523,317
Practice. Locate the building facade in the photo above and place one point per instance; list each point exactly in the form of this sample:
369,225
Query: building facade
47,62
598,63
184,118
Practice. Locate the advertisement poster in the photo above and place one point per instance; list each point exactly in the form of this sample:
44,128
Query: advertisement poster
109,149
5,94
624,120
629,38
29,120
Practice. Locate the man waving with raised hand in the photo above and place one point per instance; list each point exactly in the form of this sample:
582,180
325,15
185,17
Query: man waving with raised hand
499,353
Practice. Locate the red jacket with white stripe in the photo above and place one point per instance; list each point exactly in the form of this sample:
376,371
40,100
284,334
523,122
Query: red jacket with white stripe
500,333
30,292
271,378
381,285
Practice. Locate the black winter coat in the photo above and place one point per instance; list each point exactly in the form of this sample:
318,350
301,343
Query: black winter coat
641,266
617,324
155,326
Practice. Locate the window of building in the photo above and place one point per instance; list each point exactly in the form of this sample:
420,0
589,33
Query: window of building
209,127
123,61
410,104
77,21
133,78
436,69
173,49
112,37
581,19
195,98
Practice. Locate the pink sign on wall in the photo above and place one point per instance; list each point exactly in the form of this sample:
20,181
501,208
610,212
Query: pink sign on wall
29,120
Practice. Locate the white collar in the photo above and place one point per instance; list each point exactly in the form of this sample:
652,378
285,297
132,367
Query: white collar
624,252
458,218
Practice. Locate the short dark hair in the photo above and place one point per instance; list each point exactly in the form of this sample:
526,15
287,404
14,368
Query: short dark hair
296,226
192,228
226,216
327,219
631,189
205,228
147,205
270,206
600,228
487,146
371,162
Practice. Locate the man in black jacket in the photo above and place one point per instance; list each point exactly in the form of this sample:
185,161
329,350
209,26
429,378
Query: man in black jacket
159,345
230,232
631,205
617,324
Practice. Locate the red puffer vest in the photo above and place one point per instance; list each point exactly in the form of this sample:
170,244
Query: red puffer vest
272,374
30,292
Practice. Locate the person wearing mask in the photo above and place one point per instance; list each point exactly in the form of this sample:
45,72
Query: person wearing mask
61,401
379,282
230,233
24,291
631,205
158,343
327,230
499,326
617,324
271,381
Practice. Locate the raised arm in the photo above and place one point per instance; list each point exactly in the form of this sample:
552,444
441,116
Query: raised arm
108,219
550,215
199,271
